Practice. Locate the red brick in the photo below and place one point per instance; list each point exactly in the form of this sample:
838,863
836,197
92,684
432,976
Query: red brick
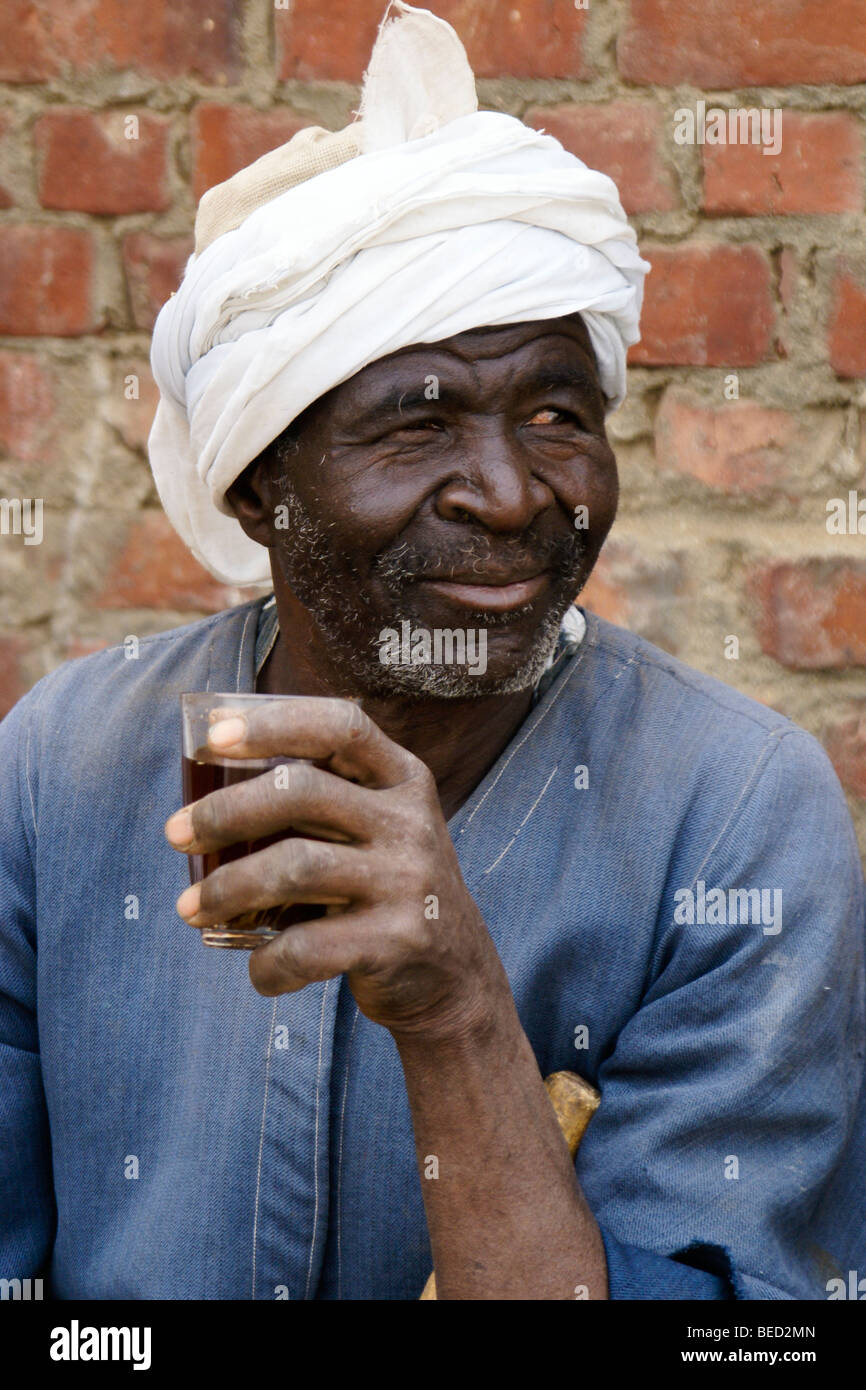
27,426
706,306
847,328
603,595
47,280
621,139
731,43
132,417
636,590
845,743
535,38
155,570
739,448
811,614
816,170
87,163
41,39
227,138
154,268
18,669
13,678
6,199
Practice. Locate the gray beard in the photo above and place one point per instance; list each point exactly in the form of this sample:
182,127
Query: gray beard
342,612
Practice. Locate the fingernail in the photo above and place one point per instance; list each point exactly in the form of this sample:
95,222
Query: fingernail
227,732
178,828
189,902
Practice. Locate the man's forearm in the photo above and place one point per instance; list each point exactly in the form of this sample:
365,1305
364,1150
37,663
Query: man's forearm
504,1209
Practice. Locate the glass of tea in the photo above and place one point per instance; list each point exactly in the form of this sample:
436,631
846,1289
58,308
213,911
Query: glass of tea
204,770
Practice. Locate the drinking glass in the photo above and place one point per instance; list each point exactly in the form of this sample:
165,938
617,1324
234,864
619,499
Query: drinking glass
205,770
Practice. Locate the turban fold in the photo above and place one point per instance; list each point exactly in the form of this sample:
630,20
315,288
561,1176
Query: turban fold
424,218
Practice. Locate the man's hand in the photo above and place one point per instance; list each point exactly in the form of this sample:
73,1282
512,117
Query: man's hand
401,922
506,1218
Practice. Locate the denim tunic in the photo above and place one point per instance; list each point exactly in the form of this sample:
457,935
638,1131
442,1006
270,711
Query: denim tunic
165,1132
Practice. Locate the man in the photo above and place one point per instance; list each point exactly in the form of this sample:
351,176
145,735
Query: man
384,379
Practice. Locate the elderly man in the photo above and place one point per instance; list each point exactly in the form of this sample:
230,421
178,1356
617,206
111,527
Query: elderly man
384,381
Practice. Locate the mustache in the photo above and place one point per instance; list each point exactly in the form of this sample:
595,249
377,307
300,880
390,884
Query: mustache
404,562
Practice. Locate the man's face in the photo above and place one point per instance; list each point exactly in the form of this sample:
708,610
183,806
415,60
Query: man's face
446,485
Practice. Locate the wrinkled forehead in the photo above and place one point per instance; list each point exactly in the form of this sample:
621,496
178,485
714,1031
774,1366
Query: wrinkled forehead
499,340
484,354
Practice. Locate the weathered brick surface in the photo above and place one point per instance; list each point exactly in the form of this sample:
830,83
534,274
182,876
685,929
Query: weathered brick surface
639,589
624,139
155,570
818,169
845,741
47,284
538,38
13,676
154,268
41,39
745,415
706,306
131,412
732,43
741,448
27,405
6,199
847,328
88,161
811,614
227,138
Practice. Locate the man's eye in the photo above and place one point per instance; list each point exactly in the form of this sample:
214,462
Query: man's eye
551,416
417,427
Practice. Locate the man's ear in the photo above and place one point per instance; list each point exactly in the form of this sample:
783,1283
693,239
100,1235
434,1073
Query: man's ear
250,499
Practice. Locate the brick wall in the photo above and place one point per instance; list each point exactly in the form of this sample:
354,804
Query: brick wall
745,416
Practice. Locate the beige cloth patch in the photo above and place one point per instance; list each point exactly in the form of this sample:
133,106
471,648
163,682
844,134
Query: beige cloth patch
312,151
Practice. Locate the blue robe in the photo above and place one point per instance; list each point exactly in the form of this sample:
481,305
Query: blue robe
165,1132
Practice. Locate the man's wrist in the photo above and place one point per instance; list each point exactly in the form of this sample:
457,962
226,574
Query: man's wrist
462,1029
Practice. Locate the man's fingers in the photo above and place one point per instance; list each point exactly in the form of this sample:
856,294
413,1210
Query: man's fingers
293,794
311,951
334,731
295,870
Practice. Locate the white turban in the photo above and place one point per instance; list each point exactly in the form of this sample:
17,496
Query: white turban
423,219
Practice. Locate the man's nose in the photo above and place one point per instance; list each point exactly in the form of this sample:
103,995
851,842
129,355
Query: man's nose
496,485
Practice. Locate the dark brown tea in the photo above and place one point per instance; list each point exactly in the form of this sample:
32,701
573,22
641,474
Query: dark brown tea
206,773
